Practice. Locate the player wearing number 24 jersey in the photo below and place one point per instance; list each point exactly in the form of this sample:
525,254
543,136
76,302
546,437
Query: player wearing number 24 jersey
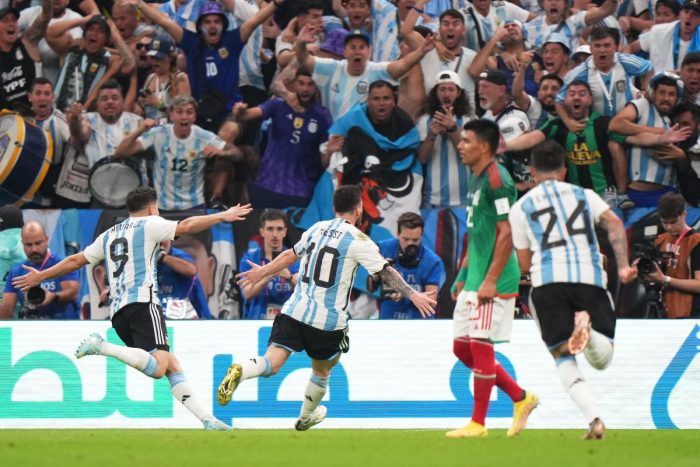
129,250
314,319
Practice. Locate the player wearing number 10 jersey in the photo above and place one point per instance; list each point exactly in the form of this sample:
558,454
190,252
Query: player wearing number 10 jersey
314,317
553,233
129,250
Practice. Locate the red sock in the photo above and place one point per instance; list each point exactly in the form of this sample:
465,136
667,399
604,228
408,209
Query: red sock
508,384
484,378
462,349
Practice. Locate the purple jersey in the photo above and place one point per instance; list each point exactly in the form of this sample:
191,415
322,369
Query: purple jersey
291,164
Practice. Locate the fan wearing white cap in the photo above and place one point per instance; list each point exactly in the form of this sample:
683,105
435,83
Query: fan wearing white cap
447,110
555,54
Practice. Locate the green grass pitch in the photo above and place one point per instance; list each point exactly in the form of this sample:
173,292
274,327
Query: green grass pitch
319,447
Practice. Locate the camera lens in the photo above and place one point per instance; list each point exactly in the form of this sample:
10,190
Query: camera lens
36,295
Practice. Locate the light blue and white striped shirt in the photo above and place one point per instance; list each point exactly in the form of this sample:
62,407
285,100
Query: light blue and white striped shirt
643,167
538,29
105,137
330,253
499,12
613,90
339,90
445,175
178,168
556,222
130,253
385,33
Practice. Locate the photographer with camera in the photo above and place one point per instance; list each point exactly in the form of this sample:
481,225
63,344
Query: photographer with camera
676,266
419,266
54,298
264,300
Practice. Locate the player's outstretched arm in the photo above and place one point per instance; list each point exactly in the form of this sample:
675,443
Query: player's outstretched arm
259,273
35,277
618,240
196,224
422,301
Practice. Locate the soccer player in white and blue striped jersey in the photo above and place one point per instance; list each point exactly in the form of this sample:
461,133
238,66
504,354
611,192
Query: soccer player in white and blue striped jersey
182,149
553,233
314,318
130,251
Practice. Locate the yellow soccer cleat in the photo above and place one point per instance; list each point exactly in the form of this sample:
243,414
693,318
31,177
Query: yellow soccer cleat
229,383
473,430
521,411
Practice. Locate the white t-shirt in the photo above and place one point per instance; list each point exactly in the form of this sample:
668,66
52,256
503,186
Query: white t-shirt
51,62
512,124
658,42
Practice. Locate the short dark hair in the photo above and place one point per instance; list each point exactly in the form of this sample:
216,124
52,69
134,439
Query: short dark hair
673,5
111,84
39,81
690,58
302,72
666,81
306,5
485,131
380,83
601,32
346,198
140,198
580,82
452,13
548,156
684,107
670,205
552,77
409,220
272,215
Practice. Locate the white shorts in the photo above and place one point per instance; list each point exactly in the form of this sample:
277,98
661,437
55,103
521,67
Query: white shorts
493,321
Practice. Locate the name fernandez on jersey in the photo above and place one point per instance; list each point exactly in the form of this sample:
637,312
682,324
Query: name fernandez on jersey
129,252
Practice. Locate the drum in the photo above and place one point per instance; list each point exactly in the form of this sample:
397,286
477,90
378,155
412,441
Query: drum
111,179
26,151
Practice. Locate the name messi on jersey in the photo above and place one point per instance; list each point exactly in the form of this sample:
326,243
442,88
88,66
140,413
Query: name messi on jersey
331,233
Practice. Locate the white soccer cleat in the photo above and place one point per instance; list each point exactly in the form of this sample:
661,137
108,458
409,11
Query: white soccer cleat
216,425
90,346
316,417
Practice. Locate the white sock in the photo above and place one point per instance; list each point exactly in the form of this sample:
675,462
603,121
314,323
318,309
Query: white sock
315,391
135,358
599,351
575,384
183,392
258,366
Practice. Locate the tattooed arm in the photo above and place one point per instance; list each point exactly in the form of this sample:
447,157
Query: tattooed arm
618,240
422,301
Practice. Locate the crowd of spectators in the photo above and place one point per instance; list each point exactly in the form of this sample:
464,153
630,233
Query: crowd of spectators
215,103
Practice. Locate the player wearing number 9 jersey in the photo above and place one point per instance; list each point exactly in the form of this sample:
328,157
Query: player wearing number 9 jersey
129,250
314,318
553,233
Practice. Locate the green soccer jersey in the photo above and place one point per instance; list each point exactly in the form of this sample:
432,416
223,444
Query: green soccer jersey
491,194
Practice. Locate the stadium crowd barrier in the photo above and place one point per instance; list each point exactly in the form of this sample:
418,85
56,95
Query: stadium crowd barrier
398,374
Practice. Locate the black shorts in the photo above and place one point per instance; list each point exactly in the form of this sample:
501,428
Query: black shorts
142,325
555,305
296,336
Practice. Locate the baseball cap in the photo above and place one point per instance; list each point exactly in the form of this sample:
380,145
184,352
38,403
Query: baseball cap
494,76
694,4
101,21
356,34
448,76
10,215
558,38
161,47
8,8
582,49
